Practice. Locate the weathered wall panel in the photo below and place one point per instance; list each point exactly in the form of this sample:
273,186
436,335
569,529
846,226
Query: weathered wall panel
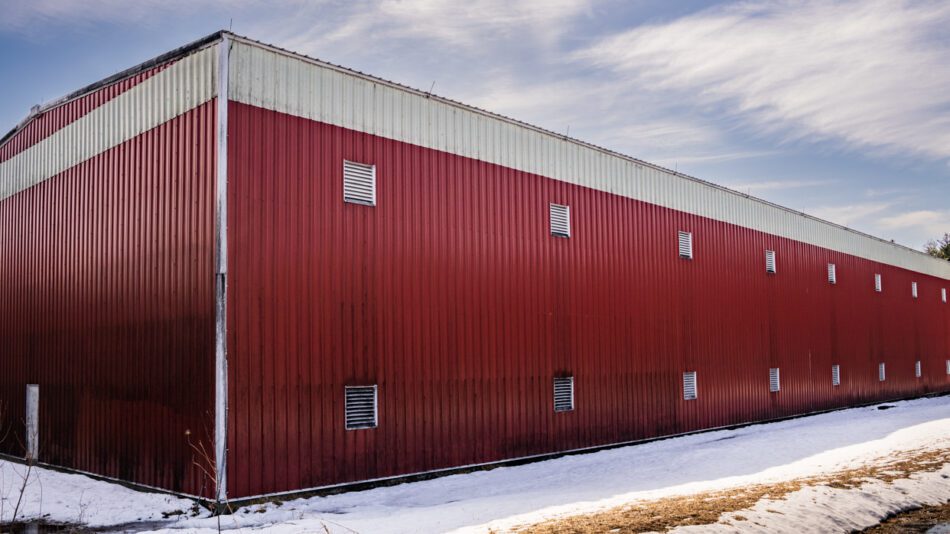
266,77
453,297
107,303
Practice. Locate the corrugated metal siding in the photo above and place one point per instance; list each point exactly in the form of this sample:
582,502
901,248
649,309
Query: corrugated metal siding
305,88
454,298
184,85
51,121
106,280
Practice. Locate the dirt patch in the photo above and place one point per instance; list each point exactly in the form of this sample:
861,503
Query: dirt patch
914,521
707,508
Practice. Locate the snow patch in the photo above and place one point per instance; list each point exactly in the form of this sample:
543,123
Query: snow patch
506,497
70,498
825,509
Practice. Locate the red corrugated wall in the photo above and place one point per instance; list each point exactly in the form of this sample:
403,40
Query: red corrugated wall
106,285
454,298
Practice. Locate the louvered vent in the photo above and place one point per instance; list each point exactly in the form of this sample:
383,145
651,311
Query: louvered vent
686,245
560,220
359,183
564,394
880,372
913,289
835,375
774,384
689,385
361,407
832,274
770,261
917,372
877,283
943,295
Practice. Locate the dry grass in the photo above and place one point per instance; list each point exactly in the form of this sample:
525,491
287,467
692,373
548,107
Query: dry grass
707,508
920,520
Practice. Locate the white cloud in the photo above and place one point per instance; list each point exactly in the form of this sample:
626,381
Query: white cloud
467,25
776,185
850,214
32,16
891,219
869,73
931,222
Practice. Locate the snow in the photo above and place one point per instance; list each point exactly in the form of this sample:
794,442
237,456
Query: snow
508,496
68,498
825,509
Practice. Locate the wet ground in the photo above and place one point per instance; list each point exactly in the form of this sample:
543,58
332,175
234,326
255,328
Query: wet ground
39,527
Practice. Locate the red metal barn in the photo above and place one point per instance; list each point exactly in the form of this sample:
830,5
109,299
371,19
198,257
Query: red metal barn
236,267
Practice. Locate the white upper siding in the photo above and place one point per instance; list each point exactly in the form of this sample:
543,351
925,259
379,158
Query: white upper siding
181,87
280,81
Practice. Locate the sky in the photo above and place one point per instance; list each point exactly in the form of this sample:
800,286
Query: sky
840,109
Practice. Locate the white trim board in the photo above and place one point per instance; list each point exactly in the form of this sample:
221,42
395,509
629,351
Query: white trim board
221,275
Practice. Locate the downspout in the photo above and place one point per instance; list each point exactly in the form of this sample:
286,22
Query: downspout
221,279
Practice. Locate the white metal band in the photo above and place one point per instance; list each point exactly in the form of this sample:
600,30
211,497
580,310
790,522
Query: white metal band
183,86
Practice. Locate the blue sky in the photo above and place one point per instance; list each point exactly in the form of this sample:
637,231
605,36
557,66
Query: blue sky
839,109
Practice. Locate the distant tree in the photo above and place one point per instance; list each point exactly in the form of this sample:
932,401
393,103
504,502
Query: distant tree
939,248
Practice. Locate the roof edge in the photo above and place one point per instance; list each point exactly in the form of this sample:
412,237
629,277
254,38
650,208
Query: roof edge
115,78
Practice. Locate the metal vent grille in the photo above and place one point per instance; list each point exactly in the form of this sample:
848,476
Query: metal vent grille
835,375
689,385
913,289
361,407
564,394
877,283
917,372
359,183
560,220
774,383
686,245
770,261
880,372
832,274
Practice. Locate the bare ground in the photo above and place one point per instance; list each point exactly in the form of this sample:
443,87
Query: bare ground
707,508
915,521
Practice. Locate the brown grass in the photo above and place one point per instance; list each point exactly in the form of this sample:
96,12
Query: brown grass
919,520
707,508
